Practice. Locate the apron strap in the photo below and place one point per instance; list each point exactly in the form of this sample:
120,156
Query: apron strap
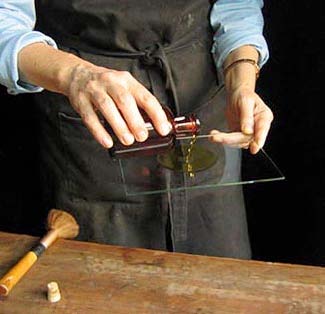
156,55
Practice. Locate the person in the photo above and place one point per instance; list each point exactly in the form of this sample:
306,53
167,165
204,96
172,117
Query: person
106,60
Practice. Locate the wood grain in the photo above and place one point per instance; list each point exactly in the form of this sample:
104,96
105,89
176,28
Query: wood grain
97,279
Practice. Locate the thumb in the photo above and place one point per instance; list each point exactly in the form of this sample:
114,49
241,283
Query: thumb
247,115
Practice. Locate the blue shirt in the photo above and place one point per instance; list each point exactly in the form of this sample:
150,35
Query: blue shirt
235,22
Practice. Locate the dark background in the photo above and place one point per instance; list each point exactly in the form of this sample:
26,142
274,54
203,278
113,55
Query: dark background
286,218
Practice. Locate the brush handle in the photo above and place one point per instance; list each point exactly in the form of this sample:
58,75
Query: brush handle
9,280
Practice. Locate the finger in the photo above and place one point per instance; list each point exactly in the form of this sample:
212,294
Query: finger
247,115
233,138
242,145
261,131
254,148
112,115
130,112
91,121
152,107
263,122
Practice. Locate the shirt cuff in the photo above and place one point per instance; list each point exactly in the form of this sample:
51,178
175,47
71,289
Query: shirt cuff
15,85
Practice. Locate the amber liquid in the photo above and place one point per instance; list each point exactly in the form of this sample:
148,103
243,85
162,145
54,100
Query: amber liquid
188,163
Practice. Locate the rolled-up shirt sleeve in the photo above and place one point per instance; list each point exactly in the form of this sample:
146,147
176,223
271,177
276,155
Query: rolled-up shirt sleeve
237,23
17,21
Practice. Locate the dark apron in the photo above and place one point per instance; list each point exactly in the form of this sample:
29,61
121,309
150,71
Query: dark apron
166,46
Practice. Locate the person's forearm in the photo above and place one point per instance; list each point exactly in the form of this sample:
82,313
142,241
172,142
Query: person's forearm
242,74
45,66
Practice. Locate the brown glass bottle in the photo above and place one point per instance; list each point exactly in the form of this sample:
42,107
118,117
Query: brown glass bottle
183,126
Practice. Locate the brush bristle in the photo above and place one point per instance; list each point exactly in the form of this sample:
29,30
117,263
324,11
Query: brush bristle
61,221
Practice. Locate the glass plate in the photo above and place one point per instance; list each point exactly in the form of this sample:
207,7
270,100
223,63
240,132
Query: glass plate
202,165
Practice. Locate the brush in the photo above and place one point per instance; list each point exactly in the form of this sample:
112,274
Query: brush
60,224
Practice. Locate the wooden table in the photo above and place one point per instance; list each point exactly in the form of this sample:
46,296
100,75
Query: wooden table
106,279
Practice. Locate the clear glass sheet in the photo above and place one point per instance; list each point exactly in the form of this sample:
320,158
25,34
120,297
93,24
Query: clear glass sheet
202,165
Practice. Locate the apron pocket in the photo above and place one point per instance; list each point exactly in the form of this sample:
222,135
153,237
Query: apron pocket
93,173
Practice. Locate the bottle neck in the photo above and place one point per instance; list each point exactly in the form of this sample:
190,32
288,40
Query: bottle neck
185,126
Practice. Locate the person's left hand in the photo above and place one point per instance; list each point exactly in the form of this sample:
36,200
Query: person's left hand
249,120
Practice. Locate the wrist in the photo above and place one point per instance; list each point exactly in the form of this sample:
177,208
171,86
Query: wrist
243,60
241,76
42,65
241,73
66,69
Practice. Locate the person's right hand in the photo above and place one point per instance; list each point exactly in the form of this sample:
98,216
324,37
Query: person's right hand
117,95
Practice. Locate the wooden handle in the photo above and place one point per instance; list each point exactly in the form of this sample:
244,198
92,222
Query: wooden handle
9,280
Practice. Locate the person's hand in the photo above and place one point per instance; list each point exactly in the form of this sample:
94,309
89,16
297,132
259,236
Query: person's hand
249,120
94,91
117,96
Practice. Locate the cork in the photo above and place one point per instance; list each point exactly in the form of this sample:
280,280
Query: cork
53,292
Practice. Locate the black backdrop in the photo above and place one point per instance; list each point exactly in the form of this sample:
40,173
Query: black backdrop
286,219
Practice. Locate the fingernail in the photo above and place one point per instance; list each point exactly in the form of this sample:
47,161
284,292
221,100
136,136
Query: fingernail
128,138
142,136
166,128
107,142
